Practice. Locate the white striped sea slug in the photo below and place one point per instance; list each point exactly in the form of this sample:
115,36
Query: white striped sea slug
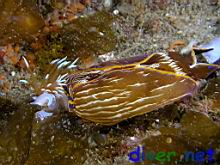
117,90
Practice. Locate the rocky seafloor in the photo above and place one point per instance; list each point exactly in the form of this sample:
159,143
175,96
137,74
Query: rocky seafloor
138,27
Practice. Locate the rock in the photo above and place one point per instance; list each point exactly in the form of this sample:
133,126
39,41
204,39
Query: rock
197,133
58,139
212,92
15,132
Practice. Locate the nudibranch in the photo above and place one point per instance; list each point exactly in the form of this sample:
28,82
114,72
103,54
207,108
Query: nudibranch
117,90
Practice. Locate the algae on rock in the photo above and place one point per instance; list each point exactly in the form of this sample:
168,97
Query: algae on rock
19,21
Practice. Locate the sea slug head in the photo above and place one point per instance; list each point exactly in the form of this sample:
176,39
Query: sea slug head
51,101
46,100
49,92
